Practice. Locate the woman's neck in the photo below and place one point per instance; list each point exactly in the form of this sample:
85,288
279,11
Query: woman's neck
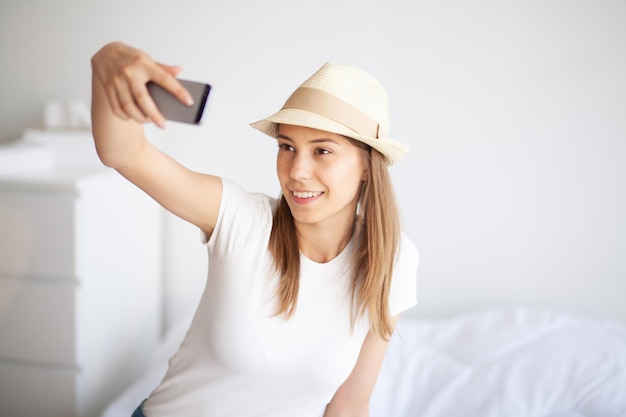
322,243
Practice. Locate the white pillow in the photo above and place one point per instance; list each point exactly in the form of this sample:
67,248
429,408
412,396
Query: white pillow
504,362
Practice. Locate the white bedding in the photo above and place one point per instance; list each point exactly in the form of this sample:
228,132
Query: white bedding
494,363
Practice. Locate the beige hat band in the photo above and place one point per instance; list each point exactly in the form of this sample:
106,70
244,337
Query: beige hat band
334,108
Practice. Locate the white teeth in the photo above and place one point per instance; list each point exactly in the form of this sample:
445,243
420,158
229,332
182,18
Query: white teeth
304,194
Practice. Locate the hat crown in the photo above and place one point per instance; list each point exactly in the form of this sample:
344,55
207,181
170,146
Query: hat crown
354,86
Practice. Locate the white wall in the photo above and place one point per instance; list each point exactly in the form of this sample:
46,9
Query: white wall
515,187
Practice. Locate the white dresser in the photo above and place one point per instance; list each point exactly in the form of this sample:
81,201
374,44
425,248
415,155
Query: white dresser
80,289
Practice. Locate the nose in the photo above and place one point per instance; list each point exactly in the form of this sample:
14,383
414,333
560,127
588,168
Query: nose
301,166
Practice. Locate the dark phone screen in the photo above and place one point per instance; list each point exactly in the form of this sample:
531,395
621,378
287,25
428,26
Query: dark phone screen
174,110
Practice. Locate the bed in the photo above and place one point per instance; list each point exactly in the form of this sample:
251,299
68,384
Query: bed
491,363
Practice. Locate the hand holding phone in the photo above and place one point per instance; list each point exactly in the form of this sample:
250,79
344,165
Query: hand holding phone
172,109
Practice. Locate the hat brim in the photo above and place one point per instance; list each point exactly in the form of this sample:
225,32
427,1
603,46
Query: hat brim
391,149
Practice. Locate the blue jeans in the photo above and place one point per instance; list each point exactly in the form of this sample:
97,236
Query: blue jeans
139,411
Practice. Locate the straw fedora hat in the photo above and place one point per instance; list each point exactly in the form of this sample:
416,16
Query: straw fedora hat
340,99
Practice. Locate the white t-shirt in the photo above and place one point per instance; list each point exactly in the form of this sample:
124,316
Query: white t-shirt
237,360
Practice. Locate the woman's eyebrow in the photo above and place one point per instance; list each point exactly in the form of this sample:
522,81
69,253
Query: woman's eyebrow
318,140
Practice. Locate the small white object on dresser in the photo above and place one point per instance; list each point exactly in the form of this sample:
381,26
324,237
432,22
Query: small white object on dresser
80,285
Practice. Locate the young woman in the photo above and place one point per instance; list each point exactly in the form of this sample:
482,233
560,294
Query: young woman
303,291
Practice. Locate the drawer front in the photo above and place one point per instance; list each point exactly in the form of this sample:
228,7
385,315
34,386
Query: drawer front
37,234
37,322
32,391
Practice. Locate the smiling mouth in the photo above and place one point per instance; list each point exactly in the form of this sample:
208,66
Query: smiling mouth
305,194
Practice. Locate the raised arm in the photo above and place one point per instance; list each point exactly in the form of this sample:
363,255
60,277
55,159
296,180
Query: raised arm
119,108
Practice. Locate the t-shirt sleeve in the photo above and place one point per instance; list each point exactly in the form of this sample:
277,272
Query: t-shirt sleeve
404,282
242,217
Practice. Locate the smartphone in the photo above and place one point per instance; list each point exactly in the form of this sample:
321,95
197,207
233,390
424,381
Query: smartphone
174,110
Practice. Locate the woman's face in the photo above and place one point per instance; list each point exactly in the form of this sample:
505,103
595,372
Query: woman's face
320,174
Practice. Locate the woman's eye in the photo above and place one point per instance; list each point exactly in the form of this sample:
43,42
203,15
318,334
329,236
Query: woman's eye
323,151
284,147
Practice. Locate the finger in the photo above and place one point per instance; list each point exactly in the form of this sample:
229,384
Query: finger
110,94
127,103
114,103
147,106
171,84
173,70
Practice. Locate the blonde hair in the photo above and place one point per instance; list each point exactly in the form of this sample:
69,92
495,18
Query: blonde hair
377,238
